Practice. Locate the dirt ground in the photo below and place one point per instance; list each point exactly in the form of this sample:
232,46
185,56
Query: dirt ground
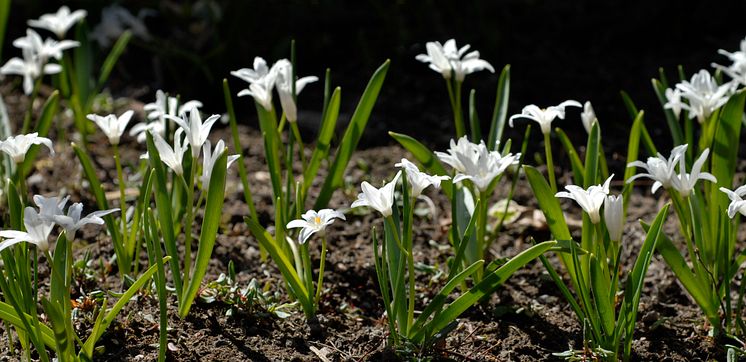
527,319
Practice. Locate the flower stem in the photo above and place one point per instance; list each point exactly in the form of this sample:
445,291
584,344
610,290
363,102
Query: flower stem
550,162
455,98
188,226
308,276
410,264
122,197
30,109
322,264
301,147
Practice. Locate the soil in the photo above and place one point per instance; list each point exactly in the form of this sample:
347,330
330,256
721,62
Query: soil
527,319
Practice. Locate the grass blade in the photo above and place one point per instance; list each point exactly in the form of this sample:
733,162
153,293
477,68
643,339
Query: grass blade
323,142
111,59
208,231
164,210
48,111
500,112
487,286
352,136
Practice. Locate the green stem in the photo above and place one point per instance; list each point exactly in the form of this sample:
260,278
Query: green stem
307,274
455,98
481,233
299,140
322,263
30,109
189,222
410,265
550,162
122,197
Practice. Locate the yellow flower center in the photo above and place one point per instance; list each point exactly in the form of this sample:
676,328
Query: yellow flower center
317,220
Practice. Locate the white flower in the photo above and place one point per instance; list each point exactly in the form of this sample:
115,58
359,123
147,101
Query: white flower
659,168
315,222
261,81
258,74
380,199
673,101
684,182
17,146
544,117
284,85
737,69
37,231
49,207
157,112
208,160
704,95
196,131
447,58
588,116
30,68
614,216
476,163
589,200
115,20
46,49
738,57
418,180
72,222
737,203
172,157
60,22
112,125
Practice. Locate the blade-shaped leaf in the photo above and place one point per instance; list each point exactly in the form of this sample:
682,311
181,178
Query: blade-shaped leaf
352,136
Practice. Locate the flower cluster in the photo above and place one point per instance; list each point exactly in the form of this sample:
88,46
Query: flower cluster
37,52
40,223
263,79
476,163
449,60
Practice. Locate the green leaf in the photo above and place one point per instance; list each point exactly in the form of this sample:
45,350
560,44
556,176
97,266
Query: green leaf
163,207
352,135
500,112
272,146
98,192
430,163
695,284
113,57
323,142
83,63
629,105
10,315
673,123
416,332
578,170
633,152
48,111
632,291
227,95
287,270
208,231
601,287
726,143
487,286
57,318
476,132
103,323
549,204
591,156
4,12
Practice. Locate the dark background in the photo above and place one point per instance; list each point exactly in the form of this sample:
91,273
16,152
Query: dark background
582,50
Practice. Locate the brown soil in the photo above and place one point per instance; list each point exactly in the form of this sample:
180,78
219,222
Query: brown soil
526,320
